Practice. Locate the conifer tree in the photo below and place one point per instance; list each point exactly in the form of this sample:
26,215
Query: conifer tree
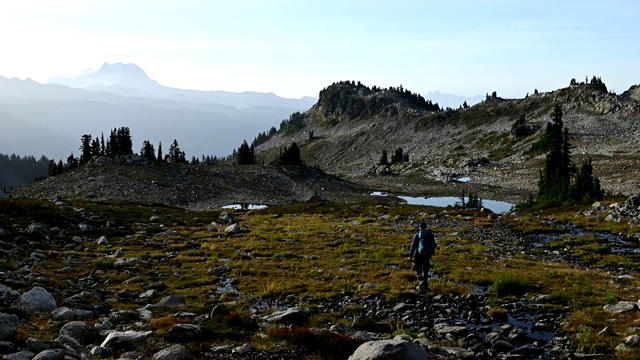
160,156
291,155
175,155
147,151
555,184
384,160
246,155
85,149
53,169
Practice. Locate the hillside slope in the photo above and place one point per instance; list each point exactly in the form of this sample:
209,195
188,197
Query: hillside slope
345,136
195,187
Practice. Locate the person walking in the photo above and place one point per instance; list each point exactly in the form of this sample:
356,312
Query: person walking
423,246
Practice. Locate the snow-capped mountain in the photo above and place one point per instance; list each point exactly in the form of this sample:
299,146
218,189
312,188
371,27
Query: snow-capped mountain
131,80
117,74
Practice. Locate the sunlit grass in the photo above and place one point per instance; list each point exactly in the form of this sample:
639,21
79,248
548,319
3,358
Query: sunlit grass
312,252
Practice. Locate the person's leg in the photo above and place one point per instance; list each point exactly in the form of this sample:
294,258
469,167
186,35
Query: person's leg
426,263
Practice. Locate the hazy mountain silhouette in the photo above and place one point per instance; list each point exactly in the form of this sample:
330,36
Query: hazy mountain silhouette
451,100
131,80
49,119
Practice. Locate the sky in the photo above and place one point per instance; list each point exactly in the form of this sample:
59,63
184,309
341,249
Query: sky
296,48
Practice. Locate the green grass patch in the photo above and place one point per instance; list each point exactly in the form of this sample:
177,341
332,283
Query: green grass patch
7,265
511,284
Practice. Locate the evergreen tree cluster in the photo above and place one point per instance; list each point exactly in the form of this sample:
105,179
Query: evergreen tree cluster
263,137
291,155
16,171
557,185
520,128
293,124
119,143
175,155
398,156
356,100
595,82
246,154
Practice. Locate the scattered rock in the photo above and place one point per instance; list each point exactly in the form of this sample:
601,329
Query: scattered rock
8,326
291,316
183,333
171,301
175,352
389,350
127,341
35,300
623,307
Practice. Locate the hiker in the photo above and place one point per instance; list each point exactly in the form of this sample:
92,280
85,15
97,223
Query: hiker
423,247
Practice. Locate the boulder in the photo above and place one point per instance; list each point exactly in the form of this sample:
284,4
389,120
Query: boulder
8,326
171,301
126,341
156,219
225,218
219,310
21,355
51,354
130,262
7,347
36,300
79,330
389,350
102,240
183,333
633,201
291,316
623,307
233,229
38,228
175,352
85,228
7,295
133,355
67,314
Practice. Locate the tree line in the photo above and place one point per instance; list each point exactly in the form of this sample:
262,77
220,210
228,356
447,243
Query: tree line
16,171
119,143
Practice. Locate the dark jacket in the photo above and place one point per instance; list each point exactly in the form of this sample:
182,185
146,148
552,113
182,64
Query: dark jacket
416,243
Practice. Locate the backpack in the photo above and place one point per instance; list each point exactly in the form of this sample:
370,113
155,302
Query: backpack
427,244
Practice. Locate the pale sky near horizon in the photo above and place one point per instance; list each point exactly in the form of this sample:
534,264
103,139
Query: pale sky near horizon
295,48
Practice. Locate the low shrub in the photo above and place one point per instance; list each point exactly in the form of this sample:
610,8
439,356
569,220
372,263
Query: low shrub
6,265
104,264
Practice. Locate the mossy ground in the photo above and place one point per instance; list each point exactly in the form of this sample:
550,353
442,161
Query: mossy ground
315,252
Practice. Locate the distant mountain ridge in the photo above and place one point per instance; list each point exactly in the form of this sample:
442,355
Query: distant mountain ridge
131,80
49,119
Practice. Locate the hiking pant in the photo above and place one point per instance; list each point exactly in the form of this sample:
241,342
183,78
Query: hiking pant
421,266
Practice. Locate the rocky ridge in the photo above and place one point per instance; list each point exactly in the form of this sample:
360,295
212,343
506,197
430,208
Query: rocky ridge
474,142
134,178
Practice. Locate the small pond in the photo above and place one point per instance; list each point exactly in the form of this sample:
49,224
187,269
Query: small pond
496,206
245,207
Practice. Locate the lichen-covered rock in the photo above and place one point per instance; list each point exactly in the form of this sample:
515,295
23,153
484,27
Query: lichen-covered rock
36,300
8,326
126,341
389,350
175,352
